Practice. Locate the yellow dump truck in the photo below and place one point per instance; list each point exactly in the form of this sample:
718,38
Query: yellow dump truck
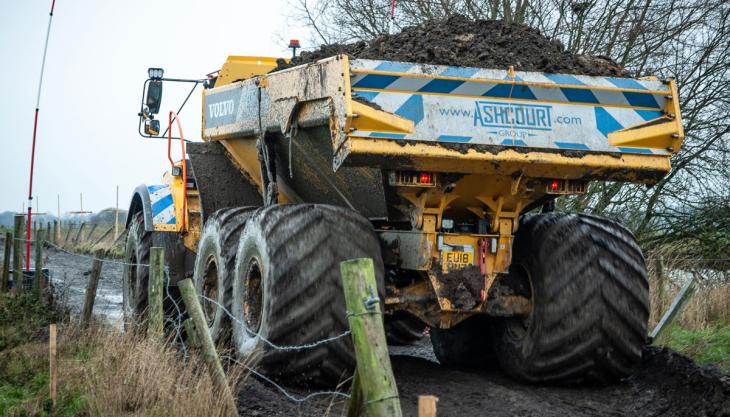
445,176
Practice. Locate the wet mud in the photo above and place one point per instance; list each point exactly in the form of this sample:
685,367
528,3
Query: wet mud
666,384
463,286
460,41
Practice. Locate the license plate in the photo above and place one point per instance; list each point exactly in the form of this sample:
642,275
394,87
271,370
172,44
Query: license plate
457,260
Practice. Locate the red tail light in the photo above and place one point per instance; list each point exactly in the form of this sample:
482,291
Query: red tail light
555,185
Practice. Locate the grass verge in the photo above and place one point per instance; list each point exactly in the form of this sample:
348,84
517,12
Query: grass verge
100,371
710,345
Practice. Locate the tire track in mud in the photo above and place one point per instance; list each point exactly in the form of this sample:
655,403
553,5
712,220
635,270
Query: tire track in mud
666,384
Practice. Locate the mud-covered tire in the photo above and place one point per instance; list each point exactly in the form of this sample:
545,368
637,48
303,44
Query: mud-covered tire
590,295
466,344
403,331
287,290
215,264
135,274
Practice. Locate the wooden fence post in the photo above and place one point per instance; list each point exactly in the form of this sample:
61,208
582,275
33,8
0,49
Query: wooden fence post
68,232
18,252
91,232
7,251
52,362
661,283
355,402
91,287
78,234
56,232
38,278
191,333
375,375
427,405
155,290
684,295
102,237
207,347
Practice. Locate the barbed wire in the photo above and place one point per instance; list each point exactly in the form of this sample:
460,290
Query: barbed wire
90,257
176,325
282,389
272,344
178,318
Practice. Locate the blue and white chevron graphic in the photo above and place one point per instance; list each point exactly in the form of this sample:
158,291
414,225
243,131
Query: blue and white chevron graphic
163,209
472,105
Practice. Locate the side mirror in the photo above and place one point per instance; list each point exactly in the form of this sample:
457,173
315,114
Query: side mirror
154,96
152,127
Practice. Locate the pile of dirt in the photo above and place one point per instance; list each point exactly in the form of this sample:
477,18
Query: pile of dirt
687,389
460,41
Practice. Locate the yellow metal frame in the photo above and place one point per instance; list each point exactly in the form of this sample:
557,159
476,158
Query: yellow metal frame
368,118
427,156
667,132
193,226
238,68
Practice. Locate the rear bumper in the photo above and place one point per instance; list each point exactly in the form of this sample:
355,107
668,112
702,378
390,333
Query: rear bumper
499,160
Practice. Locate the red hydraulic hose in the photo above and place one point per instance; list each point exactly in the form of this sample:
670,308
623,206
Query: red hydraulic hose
32,151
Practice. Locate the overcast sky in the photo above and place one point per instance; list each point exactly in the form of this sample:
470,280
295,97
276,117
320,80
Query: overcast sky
97,61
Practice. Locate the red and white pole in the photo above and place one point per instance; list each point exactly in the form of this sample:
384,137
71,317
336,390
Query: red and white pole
32,151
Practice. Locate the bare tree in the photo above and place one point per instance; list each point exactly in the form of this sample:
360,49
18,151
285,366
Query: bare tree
686,40
336,21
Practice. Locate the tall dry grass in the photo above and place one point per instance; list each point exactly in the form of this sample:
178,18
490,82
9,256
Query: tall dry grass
710,303
123,375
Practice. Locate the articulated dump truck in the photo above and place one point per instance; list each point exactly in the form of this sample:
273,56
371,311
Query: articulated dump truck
445,176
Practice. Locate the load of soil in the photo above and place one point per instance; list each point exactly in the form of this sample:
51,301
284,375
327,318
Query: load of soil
460,41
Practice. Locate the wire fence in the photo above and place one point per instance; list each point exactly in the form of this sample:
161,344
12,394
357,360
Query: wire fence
68,283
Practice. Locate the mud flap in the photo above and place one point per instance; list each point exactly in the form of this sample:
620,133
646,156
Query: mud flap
220,183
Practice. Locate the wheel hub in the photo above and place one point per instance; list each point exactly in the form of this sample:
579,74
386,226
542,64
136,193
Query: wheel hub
210,290
132,281
253,297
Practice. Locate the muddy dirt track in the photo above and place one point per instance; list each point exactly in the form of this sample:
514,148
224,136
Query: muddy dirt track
666,384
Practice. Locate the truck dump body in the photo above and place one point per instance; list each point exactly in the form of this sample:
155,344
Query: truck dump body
550,121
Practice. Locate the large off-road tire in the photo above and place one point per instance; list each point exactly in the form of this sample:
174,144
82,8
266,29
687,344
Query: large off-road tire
215,264
135,275
586,277
403,331
467,344
287,290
